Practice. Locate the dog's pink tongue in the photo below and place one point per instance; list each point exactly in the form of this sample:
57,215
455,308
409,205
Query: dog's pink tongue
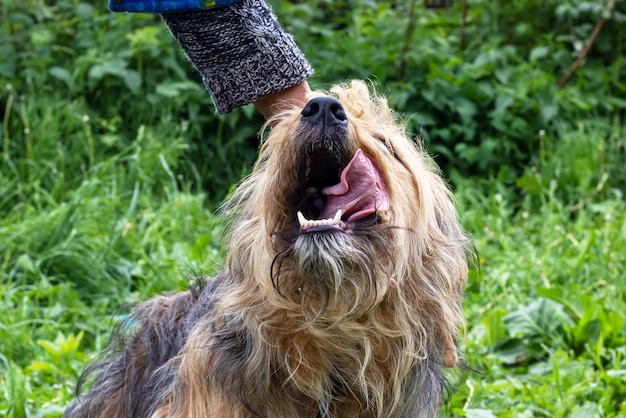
360,192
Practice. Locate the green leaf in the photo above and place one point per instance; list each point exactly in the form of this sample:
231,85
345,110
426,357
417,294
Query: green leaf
494,326
539,53
479,413
588,410
42,366
548,112
617,374
540,317
53,349
62,74
132,79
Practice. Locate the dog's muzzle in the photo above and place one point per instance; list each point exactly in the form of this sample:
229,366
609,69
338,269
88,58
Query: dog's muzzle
342,183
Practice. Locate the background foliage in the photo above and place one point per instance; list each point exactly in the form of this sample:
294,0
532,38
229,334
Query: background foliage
113,163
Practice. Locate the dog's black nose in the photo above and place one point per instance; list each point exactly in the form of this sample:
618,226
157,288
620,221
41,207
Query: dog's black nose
325,111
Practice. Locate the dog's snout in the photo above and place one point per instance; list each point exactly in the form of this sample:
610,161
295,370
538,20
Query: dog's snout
325,110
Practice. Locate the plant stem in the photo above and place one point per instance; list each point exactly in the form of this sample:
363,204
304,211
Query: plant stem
5,124
408,35
27,141
583,53
464,24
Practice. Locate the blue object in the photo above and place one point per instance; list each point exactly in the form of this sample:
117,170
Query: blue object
165,6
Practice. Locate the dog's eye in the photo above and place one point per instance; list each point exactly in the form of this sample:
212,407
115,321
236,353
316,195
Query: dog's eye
386,143
381,139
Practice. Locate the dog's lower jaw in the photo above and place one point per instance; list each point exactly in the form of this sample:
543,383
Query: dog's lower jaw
323,257
335,272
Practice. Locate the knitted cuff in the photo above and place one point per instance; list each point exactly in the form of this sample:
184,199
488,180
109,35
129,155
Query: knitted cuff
240,50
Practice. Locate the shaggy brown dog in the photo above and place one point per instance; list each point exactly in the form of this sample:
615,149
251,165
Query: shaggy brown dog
341,291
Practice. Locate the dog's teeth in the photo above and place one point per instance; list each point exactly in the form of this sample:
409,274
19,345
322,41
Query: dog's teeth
308,223
302,220
337,217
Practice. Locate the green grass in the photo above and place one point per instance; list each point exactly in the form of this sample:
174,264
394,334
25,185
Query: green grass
547,313
87,230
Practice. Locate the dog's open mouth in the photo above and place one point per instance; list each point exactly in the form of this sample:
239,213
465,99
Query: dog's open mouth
359,193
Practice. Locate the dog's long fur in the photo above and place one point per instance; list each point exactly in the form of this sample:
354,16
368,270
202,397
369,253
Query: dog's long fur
355,323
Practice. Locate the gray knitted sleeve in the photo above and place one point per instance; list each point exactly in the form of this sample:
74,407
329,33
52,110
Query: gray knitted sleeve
240,50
